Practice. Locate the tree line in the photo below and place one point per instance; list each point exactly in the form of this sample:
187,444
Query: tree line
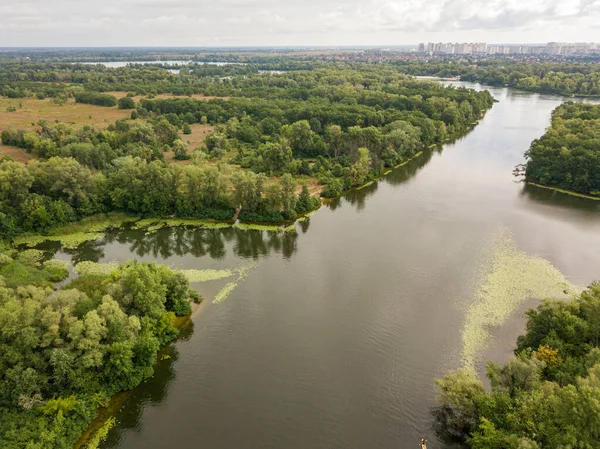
568,154
547,397
343,127
66,352
564,78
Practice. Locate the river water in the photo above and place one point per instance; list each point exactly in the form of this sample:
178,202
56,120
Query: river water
336,334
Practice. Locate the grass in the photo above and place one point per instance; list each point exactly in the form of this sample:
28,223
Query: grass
17,274
16,154
88,268
567,192
71,113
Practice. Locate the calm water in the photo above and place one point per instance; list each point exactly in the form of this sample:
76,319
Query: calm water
336,335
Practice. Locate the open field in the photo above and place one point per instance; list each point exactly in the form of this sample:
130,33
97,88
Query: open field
16,154
75,114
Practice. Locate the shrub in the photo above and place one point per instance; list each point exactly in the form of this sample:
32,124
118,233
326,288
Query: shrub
126,103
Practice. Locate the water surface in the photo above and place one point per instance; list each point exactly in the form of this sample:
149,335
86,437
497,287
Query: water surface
336,336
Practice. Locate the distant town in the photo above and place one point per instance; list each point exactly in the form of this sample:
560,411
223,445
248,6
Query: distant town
481,49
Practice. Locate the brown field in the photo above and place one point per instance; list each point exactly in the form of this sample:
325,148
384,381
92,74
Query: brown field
16,154
71,113
199,133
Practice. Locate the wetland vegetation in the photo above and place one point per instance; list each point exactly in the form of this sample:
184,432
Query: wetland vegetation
161,163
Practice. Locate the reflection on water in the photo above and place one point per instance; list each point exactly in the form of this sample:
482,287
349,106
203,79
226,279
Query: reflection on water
185,241
335,337
152,392
558,199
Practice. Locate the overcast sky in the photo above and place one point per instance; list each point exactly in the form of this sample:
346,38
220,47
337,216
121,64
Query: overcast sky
293,22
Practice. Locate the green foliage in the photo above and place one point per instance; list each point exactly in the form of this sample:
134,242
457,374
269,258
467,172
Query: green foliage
323,112
126,103
63,351
548,396
568,154
550,77
97,99
180,150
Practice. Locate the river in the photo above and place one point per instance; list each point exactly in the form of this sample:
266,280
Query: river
336,334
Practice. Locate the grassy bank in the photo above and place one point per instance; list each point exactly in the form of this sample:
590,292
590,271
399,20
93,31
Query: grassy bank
566,192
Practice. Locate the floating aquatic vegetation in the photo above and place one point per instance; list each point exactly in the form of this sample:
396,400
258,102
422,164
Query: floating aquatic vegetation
144,223
102,433
31,257
57,264
95,223
206,275
511,277
242,273
68,241
257,227
225,292
207,224
88,268
154,224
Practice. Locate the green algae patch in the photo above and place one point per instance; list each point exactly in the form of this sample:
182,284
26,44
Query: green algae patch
57,264
101,434
94,224
242,273
31,257
206,275
72,235
154,224
366,184
68,241
225,292
510,277
257,227
566,192
88,268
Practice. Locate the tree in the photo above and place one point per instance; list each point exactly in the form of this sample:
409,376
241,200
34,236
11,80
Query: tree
126,103
300,137
288,193
458,396
180,150
186,129
361,168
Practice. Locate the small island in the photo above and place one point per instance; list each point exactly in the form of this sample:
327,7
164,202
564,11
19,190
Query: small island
567,156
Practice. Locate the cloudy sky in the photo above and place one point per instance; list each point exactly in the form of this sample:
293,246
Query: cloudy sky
293,22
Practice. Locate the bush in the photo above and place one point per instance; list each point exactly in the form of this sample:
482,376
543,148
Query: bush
96,99
187,129
126,103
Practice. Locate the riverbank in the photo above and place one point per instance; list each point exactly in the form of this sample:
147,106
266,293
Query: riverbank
98,428
566,192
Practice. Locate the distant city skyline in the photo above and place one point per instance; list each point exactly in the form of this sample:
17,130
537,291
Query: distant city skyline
483,48
213,23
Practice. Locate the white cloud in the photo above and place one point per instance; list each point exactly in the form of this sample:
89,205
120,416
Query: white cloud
289,22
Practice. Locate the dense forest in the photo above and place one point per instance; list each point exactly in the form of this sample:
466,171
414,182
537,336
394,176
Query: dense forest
65,352
557,78
336,126
547,397
567,156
